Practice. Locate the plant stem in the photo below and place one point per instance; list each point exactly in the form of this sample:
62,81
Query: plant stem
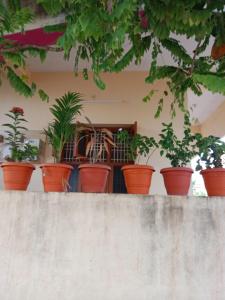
150,155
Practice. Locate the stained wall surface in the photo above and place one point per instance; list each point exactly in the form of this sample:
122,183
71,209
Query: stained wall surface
58,246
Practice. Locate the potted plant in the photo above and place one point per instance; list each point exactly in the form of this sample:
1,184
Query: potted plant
138,176
17,170
59,132
180,152
210,164
93,176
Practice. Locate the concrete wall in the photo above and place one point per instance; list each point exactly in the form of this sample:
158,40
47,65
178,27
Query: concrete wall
107,247
122,104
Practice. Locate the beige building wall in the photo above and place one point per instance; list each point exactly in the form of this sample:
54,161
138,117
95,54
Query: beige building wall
215,124
124,93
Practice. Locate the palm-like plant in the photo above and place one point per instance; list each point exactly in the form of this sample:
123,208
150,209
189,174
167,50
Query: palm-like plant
62,129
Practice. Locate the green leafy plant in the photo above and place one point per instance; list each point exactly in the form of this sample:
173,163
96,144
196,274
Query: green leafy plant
100,29
13,18
210,151
20,151
62,129
138,145
99,140
178,151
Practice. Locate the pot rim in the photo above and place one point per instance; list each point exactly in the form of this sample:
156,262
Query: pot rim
56,165
95,166
177,169
18,164
136,166
212,170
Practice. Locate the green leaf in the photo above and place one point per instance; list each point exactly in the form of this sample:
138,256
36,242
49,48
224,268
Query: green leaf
43,95
159,109
177,50
161,73
99,82
16,58
85,73
148,97
19,84
125,61
53,7
212,82
55,28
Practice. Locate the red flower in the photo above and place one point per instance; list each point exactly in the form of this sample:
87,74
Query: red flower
141,13
143,19
17,110
144,22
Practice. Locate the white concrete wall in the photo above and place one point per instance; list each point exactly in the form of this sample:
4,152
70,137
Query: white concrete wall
106,247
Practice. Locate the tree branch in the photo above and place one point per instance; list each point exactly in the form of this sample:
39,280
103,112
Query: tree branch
194,58
17,48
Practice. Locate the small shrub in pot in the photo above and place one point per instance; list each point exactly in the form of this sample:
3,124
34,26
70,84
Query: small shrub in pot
179,152
93,175
210,164
17,170
138,176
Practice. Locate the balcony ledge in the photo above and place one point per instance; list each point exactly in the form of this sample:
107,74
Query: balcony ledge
107,246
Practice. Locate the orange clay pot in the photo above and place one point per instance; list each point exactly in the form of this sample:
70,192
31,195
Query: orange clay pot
93,178
17,176
214,180
177,180
138,178
55,177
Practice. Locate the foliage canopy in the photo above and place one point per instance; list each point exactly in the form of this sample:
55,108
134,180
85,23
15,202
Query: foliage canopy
99,29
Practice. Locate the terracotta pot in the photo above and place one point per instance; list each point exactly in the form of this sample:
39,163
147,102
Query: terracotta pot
177,180
55,177
218,51
138,178
17,176
214,180
93,178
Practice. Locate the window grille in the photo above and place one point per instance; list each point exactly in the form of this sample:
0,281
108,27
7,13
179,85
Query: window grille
74,153
68,153
118,153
